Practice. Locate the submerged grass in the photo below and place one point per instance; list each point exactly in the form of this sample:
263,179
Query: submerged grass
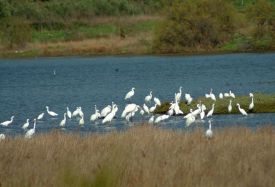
141,156
264,103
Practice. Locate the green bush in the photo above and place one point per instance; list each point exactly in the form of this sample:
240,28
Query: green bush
196,24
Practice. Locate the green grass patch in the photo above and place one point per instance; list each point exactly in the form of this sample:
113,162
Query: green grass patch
79,32
239,42
264,103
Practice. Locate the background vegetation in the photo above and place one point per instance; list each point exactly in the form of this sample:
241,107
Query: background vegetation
204,25
31,26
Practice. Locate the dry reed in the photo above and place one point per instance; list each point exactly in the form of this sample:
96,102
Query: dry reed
141,156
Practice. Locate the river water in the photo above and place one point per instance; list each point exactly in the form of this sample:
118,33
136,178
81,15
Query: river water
28,85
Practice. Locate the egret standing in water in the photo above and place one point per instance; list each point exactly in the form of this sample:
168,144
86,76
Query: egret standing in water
63,122
209,133
96,115
31,132
6,123
2,137
148,97
242,111
40,116
26,124
130,94
69,114
151,120
51,113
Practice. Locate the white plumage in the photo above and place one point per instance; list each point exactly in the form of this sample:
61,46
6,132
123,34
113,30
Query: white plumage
130,94
242,111
6,123
51,113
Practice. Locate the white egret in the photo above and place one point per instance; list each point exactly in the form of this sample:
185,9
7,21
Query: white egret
210,113
178,95
190,119
26,125
69,114
157,101
151,120
189,114
242,111
80,113
81,121
76,112
202,113
145,108
105,111
130,94
221,96
177,108
230,106
141,112
211,95
153,108
63,122
6,123
188,98
226,95
209,132
111,115
96,115
161,118
231,94
40,116
51,113
2,136
31,132
197,111
148,97
128,109
251,105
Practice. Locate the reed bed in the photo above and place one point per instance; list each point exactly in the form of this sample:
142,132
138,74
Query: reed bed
141,156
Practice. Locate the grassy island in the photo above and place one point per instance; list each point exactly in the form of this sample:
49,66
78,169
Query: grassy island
264,103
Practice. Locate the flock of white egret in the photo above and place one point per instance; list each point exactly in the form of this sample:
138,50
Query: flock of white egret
108,113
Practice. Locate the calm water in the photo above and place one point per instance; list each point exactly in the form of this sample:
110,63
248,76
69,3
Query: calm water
28,85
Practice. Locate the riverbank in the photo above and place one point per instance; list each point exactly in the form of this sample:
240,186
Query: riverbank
128,35
264,103
141,156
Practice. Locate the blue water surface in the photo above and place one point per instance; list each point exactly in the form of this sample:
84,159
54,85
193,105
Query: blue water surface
28,85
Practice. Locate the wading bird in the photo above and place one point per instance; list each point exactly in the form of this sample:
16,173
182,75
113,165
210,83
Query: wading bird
31,132
6,123
51,113
242,111
209,132
130,94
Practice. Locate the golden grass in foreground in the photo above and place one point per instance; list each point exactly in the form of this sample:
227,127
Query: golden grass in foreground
141,156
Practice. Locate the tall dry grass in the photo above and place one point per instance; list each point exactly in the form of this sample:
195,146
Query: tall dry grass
141,156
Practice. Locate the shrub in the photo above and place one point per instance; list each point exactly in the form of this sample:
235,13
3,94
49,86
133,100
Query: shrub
196,24
15,32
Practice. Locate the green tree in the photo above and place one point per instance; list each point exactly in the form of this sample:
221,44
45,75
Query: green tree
15,32
196,24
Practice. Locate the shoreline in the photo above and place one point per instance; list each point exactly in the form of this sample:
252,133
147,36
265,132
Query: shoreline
30,54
